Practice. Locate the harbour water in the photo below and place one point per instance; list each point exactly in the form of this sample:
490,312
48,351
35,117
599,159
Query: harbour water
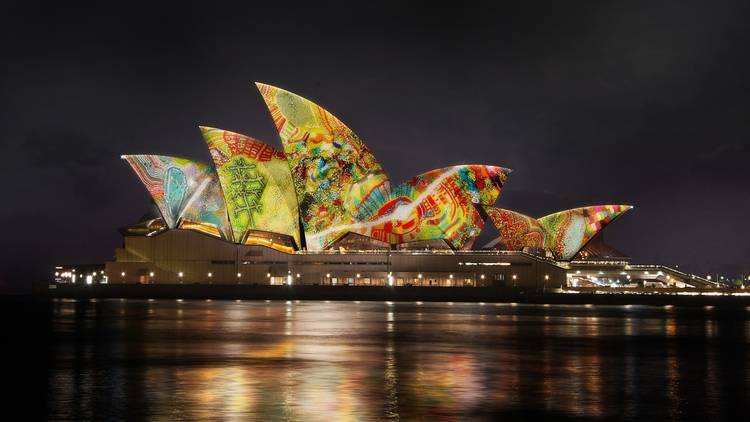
328,361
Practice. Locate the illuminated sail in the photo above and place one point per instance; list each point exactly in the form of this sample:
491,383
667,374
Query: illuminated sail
256,183
437,205
334,172
186,192
563,233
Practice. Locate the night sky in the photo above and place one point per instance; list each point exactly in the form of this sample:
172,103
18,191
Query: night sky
624,102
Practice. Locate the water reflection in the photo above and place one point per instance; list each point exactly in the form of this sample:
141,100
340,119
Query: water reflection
325,361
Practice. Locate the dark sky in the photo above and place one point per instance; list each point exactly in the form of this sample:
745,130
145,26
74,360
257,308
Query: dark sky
645,103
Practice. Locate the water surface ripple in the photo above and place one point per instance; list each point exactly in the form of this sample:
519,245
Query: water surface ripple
329,361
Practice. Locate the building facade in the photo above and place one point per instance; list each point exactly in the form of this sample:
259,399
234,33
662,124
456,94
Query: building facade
189,257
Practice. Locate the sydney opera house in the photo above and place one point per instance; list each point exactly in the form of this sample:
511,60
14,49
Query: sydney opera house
320,210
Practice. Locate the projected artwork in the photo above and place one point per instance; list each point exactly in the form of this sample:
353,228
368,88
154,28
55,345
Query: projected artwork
333,171
563,233
481,182
256,183
435,205
568,231
516,230
185,191
429,206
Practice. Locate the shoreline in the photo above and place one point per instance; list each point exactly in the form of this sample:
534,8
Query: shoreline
380,293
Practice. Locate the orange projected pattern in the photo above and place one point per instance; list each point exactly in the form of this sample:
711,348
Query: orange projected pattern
517,230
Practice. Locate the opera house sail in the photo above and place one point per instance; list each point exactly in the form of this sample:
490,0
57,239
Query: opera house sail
186,192
437,205
256,184
333,170
564,233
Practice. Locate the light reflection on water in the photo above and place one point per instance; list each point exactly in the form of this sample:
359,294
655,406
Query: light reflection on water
326,361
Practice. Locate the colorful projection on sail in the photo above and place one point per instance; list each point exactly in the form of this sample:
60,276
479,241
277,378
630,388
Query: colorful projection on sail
256,183
564,233
437,205
334,172
185,191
